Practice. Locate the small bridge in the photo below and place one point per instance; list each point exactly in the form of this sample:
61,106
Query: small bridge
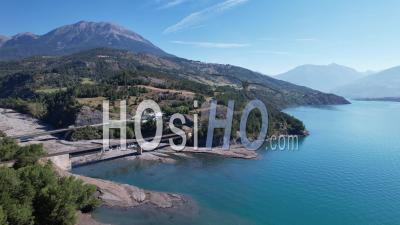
65,159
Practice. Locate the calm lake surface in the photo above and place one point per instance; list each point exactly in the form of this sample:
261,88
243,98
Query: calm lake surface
346,172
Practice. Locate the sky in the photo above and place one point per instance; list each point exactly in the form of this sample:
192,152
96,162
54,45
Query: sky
266,36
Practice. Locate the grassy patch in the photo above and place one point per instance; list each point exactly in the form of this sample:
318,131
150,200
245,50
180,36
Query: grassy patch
50,90
86,80
91,102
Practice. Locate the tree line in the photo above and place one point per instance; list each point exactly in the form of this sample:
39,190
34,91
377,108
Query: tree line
33,194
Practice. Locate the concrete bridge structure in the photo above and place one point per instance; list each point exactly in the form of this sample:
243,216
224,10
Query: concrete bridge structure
66,159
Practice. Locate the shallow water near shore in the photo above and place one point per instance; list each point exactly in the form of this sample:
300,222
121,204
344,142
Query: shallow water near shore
346,172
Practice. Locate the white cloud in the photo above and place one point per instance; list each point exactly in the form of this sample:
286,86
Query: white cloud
211,44
172,3
202,15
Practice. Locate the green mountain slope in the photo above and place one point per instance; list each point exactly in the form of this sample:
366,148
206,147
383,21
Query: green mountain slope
49,82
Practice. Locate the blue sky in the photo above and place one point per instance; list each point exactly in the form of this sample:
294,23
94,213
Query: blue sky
267,36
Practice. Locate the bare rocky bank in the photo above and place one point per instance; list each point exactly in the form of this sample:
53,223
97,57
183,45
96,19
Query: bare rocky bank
112,194
115,194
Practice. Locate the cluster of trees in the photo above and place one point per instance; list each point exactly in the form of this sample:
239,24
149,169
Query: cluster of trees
23,155
111,92
293,125
182,107
278,122
93,133
33,194
33,108
58,109
183,84
129,78
86,133
62,108
17,85
19,92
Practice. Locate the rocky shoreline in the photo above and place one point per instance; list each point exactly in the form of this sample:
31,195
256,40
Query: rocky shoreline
165,154
122,195
128,196
114,194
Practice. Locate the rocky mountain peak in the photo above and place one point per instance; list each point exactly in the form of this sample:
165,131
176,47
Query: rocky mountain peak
3,39
77,37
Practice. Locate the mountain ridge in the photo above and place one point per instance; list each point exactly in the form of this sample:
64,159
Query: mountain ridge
3,39
324,78
384,84
73,38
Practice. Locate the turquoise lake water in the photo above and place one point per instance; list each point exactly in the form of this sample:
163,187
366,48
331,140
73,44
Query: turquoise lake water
346,172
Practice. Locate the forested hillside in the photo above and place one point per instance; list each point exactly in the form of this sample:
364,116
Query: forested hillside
55,88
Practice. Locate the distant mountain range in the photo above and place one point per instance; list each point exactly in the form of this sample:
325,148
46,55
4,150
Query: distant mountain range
75,38
381,85
324,78
345,81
